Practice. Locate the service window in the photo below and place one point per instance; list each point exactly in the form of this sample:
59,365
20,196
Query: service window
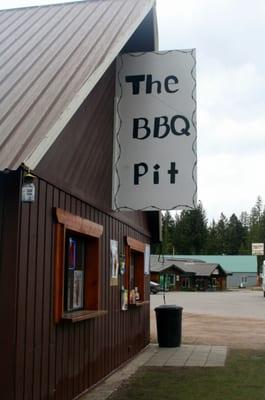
74,272
134,271
77,268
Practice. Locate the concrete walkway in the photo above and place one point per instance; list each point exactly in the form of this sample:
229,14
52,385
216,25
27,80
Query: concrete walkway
155,356
188,356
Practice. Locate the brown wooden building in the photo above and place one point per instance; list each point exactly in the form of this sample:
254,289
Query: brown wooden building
187,274
63,327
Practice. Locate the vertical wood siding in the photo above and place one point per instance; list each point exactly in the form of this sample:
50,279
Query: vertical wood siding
80,160
9,222
41,360
61,361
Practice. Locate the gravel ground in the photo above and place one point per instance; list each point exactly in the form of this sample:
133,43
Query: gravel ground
232,318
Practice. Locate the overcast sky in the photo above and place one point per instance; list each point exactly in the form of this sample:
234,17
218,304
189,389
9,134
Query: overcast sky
229,39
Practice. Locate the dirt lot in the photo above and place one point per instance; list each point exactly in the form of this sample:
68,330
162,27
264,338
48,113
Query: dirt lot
235,319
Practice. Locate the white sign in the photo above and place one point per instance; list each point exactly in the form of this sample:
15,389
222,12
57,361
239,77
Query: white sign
147,259
155,131
257,249
28,193
114,262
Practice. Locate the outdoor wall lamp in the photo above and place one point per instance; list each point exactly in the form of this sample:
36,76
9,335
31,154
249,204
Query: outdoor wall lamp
28,187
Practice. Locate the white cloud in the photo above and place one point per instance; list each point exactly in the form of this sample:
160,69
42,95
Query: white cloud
230,183
231,136
231,89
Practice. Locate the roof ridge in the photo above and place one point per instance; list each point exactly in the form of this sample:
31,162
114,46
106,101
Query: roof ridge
63,3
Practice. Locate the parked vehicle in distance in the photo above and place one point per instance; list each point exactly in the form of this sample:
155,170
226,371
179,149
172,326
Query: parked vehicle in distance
154,287
242,285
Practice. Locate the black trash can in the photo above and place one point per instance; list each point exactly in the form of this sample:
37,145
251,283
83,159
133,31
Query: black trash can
169,325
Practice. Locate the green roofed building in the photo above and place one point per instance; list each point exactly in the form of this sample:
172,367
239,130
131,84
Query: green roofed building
243,269
187,274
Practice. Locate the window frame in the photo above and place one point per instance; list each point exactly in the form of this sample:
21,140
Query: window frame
137,249
67,222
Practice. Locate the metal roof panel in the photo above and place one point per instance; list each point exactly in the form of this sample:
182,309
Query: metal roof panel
51,58
234,263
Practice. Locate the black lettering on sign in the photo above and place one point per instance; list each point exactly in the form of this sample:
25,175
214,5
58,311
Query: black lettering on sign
180,130
144,126
139,170
167,83
173,172
151,85
156,174
178,125
135,80
158,124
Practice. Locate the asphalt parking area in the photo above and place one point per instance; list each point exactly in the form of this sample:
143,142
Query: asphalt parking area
232,318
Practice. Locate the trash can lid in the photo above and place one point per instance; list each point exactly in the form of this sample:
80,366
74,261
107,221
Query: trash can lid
168,307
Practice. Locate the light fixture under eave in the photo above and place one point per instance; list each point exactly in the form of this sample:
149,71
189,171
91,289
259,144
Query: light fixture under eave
28,188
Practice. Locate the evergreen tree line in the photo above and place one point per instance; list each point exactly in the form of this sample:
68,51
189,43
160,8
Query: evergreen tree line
189,232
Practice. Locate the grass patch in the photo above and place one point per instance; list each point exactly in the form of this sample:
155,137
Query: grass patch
241,379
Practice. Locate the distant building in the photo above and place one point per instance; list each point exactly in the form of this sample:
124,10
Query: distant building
187,274
242,268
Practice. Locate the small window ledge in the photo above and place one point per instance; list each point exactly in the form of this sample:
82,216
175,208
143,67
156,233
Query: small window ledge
139,304
82,315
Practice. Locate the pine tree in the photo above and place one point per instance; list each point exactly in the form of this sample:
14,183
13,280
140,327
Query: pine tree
188,232
191,231
255,231
236,235
168,229
212,239
222,245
